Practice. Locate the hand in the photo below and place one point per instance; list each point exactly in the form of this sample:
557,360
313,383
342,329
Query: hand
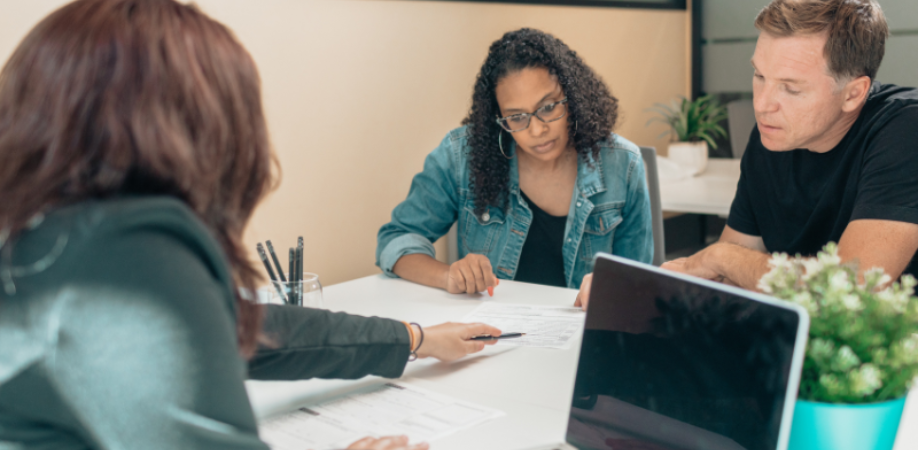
693,265
583,297
450,341
387,443
470,275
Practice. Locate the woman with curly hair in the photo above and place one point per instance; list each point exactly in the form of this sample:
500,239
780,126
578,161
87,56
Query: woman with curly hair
536,179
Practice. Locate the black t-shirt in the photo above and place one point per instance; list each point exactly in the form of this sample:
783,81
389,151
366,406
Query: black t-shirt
541,260
798,201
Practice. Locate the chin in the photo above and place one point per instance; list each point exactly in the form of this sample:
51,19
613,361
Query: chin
775,145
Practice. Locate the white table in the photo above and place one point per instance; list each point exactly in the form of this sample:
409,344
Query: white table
711,192
532,386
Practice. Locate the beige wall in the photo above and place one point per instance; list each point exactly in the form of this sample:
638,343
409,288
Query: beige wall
359,91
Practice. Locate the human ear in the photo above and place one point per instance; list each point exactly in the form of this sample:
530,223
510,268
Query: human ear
855,93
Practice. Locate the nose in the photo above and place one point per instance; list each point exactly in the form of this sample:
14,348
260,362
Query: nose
537,127
763,100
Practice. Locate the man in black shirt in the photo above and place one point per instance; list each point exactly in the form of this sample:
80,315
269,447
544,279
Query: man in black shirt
834,154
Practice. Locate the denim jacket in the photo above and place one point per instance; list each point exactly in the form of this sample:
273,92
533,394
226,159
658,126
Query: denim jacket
609,212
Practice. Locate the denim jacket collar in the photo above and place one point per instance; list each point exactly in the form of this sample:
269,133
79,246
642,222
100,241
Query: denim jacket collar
590,179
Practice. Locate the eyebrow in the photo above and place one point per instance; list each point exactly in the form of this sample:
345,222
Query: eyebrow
511,111
785,80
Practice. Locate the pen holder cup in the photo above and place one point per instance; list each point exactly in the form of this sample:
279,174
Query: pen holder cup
307,292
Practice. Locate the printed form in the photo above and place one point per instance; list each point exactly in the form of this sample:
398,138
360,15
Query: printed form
388,409
545,326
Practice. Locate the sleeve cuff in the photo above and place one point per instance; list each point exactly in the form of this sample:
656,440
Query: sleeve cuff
742,226
406,244
881,212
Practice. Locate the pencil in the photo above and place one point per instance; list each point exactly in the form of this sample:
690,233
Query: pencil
291,265
264,259
280,272
299,255
298,286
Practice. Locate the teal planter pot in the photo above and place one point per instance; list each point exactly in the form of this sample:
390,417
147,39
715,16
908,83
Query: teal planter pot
825,426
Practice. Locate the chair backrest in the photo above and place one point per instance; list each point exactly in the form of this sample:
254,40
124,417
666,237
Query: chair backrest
649,154
656,208
740,120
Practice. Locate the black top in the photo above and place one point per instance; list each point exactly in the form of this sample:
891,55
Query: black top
117,330
541,260
798,201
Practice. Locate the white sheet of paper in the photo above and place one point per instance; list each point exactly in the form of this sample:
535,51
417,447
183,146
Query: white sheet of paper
388,409
545,326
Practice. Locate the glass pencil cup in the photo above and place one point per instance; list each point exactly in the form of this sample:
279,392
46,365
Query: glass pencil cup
306,292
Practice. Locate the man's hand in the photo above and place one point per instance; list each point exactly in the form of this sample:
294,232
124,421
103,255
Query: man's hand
695,266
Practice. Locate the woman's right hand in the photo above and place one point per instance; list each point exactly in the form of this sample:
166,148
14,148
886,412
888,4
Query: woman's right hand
583,297
470,275
450,341
387,443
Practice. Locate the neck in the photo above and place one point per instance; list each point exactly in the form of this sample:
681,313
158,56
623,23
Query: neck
834,136
531,164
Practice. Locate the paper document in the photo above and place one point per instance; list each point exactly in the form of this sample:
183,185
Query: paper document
545,326
389,409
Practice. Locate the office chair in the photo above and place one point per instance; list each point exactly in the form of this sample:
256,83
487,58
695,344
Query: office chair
656,207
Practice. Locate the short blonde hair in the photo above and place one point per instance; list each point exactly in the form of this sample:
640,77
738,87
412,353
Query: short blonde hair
856,31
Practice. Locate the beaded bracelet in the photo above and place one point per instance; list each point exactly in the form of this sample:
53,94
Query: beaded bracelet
414,352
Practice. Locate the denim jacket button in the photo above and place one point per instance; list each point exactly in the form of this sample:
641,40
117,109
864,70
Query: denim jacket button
578,204
485,217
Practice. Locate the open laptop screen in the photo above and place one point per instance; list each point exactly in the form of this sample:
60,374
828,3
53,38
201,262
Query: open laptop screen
669,363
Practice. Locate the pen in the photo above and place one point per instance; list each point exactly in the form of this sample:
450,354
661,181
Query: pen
488,337
291,266
299,270
264,259
280,272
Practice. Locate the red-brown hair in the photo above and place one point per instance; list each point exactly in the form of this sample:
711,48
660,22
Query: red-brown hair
856,31
145,97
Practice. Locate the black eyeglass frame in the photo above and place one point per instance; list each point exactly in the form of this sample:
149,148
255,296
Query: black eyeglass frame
502,120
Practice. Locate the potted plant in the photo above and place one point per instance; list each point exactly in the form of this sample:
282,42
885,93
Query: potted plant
693,125
862,354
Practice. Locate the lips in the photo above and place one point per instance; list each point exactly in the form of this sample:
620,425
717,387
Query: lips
767,128
544,146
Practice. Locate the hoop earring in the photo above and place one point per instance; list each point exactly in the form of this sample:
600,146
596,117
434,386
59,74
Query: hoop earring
500,144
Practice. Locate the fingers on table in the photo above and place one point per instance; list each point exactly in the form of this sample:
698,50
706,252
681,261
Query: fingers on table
480,276
489,277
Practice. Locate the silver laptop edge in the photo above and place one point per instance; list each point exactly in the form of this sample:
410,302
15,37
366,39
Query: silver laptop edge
793,383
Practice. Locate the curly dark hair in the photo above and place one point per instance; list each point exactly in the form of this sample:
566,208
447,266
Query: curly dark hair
592,110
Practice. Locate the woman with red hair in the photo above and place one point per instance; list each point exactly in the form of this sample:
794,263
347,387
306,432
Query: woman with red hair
134,150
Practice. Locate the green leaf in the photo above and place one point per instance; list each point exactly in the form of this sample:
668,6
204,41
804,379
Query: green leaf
692,121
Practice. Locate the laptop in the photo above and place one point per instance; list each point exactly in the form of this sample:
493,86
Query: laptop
673,362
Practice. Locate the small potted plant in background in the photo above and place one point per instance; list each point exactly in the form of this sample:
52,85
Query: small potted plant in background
862,354
693,125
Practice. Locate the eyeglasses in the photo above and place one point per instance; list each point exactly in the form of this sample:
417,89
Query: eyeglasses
548,113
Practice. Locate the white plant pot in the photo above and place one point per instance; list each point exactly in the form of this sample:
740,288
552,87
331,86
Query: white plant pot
690,155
